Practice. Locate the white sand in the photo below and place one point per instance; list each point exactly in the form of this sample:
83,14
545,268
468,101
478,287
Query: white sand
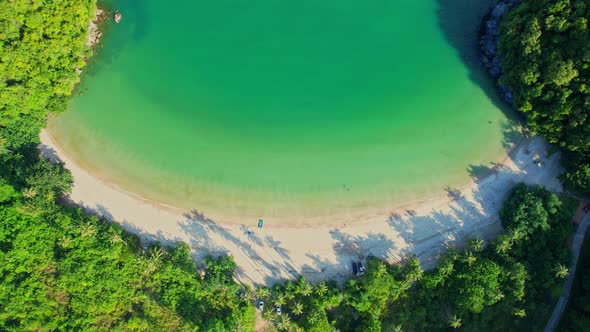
270,254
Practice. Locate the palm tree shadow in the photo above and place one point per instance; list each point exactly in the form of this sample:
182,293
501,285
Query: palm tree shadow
201,230
276,245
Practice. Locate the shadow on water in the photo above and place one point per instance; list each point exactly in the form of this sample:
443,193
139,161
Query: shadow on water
460,22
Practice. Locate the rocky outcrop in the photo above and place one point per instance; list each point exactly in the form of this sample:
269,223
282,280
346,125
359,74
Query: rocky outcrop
490,35
117,17
94,33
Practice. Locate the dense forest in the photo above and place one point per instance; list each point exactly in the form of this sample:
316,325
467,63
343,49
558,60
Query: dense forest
545,50
61,269
64,270
577,315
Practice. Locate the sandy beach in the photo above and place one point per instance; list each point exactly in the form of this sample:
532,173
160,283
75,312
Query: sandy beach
264,256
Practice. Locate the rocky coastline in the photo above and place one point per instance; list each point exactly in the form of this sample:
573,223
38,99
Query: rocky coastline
490,34
94,32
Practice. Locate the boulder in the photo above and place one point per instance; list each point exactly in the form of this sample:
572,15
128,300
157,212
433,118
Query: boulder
490,34
117,17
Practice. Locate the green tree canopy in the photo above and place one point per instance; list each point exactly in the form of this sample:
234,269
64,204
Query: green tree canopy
545,49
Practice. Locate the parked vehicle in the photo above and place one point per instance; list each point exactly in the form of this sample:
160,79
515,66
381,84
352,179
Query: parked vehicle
587,208
278,308
261,305
355,269
361,268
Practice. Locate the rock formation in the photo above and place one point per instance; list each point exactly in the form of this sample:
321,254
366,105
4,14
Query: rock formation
490,35
117,17
93,31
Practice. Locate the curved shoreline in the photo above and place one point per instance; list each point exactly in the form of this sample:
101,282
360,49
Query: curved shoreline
322,251
52,149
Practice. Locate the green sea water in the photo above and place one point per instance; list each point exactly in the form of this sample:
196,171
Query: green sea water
280,108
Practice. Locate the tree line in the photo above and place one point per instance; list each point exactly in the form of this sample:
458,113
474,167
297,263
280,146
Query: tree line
508,284
577,314
545,51
61,269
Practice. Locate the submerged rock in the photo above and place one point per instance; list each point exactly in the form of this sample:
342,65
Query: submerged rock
490,35
117,17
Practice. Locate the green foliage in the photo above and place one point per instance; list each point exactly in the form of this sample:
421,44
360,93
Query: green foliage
64,270
545,45
480,288
577,315
478,285
69,271
42,43
7,193
60,268
528,210
486,289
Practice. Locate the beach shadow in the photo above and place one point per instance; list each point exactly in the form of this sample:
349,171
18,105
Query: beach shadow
361,246
201,231
512,133
428,235
454,193
276,245
50,153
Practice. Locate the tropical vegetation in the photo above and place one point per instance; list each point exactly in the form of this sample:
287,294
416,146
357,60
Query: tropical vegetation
62,269
509,284
577,315
545,50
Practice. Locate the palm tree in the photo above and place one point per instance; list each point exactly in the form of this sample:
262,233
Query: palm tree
2,144
279,300
321,289
519,312
303,287
117,239
516,235
476,245
455,322
268,315
290,290
503,244
249,296
412,270
87,230
283,323
381,270
298,308
397,328
561,271
239,327
65,241
470,258
156,254
29,193
262,292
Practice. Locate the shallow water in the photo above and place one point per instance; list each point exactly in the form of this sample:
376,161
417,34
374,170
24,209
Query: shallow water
285,108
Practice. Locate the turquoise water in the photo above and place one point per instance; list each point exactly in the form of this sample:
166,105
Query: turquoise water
282,108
